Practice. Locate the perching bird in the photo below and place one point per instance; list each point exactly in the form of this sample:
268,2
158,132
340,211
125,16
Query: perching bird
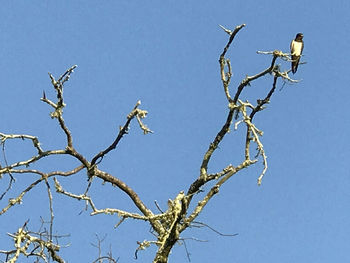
296,49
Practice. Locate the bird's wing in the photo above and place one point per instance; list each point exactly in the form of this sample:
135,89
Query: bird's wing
302,47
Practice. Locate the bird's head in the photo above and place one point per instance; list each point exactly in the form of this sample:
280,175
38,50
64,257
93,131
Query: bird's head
299,36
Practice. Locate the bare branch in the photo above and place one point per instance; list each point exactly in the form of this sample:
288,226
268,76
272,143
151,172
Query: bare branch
139,114
214,190
34,139
18,199
226,77
201,224
29,245
95,211
232,36
248,79
132,194
44,176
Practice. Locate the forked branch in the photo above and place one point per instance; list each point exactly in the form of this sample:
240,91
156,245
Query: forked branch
236,107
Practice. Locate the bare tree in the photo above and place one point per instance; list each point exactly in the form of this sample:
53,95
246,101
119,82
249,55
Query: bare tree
167,226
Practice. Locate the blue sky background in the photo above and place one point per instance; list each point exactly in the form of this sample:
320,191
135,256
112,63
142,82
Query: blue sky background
165,53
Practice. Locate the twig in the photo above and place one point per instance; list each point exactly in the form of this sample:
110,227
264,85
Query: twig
214,230
123,130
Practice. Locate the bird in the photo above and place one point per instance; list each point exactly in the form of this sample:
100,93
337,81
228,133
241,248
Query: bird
296,49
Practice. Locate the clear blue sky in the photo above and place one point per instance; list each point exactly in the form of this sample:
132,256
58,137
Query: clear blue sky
165,53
